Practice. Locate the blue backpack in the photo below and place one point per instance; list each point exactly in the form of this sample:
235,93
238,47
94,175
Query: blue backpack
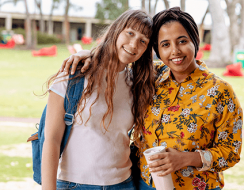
74,92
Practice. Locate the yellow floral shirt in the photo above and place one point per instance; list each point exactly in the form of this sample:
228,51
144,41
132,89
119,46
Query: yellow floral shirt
200,114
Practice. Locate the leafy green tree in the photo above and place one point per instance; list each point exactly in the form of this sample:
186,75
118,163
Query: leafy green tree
111,9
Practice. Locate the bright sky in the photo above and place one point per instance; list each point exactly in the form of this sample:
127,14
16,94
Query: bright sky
196,8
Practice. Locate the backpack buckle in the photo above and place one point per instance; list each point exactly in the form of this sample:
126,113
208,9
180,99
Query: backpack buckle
68,119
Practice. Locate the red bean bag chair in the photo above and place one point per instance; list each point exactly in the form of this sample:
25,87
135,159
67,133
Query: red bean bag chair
86,40
9,45
199,55
206,47
48,51
234,70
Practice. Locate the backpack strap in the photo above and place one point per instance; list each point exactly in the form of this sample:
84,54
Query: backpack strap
73,94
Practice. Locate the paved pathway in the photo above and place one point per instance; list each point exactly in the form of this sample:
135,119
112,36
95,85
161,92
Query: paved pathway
28,184
19,120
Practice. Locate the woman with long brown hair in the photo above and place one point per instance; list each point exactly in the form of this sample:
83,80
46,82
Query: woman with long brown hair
115,97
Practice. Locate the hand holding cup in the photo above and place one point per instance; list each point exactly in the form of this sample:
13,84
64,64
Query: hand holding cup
161,182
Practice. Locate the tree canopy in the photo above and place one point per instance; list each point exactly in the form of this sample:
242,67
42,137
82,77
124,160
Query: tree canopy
111,9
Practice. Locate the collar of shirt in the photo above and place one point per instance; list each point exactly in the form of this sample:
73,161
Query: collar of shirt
198,75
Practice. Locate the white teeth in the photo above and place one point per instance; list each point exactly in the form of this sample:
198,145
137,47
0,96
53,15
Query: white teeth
129,51
179,59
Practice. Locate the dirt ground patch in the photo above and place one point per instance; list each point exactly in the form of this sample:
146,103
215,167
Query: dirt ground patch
28,184
18,150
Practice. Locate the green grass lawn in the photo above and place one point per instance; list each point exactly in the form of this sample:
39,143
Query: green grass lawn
23,75
17,167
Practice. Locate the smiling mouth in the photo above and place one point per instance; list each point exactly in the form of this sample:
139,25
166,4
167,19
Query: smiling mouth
178,60
128,51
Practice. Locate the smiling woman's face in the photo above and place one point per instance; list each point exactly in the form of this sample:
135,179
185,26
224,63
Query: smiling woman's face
131,44
176,50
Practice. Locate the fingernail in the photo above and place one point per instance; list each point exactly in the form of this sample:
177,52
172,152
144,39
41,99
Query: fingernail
72,72
66,73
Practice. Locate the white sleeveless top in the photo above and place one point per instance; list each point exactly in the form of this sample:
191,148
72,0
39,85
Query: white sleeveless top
92,155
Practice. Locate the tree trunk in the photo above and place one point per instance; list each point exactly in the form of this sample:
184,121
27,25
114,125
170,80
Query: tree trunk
149,7
34,36
50,25
27,27
66,23
166,3
234,28
201,27
143,5
220,54
34,29
50,22
241,39
41,21
126,5
183,5
154,8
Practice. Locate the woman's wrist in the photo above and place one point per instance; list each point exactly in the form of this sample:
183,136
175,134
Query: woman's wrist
193,159
206,158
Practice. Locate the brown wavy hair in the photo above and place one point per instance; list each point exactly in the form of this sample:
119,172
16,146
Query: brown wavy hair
103,62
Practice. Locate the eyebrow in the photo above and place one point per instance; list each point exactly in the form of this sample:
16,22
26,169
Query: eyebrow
177,39
143,35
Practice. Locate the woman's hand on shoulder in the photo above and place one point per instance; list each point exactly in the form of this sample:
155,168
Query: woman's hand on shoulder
74,61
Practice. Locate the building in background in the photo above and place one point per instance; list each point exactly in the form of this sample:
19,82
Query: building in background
79,26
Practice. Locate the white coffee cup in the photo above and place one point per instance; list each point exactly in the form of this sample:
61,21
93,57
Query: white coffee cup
161,182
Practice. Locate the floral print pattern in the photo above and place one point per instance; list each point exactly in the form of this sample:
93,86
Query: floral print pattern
200,114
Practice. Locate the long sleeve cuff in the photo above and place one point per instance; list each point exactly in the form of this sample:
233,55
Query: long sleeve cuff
206,158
